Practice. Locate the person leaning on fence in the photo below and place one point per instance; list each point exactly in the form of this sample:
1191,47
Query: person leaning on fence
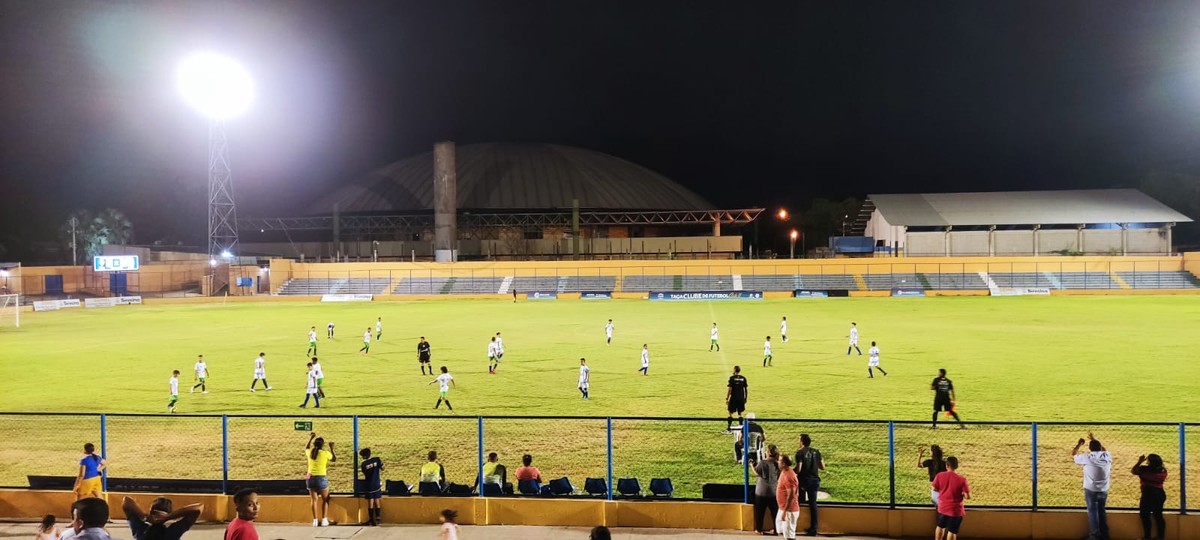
767,472
434,472
1152,476
1097,469
154,525
787,496
87,482
318,480
934,465
808,464
245,501
371,468
91,515
952,488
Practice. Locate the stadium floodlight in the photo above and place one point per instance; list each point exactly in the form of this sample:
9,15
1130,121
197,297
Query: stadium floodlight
792,236
226,254
783,214
220,89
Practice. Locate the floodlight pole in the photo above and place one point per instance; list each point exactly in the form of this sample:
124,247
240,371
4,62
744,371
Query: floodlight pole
222,214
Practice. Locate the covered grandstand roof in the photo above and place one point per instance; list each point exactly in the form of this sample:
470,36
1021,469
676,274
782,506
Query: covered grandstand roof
1065,207
515,176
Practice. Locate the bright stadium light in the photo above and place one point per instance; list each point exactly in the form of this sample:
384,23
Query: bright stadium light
226,254
217,86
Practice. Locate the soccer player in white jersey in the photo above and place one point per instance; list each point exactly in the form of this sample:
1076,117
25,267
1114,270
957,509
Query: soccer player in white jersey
312,341
853,339
608,329
783,329
499,347
585,377
310,387
320,375
713,342
493,361
329,330
444,381
767,352
873,361
260,371
378,328
174,384
201,369
366,348
645,359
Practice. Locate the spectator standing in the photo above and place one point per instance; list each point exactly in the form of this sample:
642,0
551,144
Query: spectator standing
787,493
952,488
767,472
934,465
91,515
318,480
1097,469
87,482
246,503
373,488
449,527
433,472
1152,476
808,464
153,526
527,471
47,530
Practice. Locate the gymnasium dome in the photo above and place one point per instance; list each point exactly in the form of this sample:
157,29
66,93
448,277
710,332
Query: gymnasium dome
512,177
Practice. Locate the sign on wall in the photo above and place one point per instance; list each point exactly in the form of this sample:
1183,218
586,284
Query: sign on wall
115,263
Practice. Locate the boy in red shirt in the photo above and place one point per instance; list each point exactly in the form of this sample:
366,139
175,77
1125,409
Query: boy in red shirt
952,488
242,527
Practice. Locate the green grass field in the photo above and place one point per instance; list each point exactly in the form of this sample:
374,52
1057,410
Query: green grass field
1076,359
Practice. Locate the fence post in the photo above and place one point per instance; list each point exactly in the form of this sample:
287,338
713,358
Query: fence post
891,464
610,459
354,442
224,454
1035,464
1182,469
479,456
746,461
104,450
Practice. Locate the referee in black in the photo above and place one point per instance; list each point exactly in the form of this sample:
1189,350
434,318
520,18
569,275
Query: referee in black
735,397
943,398
423,355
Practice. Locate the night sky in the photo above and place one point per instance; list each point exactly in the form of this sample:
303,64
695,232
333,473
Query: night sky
747,103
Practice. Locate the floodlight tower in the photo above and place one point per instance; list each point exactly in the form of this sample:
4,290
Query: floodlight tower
220,89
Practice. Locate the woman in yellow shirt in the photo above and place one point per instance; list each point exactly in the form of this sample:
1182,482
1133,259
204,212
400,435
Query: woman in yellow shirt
318,481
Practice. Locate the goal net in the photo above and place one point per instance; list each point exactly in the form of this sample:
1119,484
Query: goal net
10,310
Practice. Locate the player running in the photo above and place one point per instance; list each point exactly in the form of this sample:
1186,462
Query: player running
366,348
853,339
320,375
944,398
713,342
378,328
735,397
310,388
645,360
174,384
767,352
585,377
201,369
260,370
329,330
493,360
312,341
423,355
444,381
499,347
783,329
608,330
873,361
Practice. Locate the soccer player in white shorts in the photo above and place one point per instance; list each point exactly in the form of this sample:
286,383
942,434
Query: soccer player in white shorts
585,377
853,340
608,330
873,361
260,370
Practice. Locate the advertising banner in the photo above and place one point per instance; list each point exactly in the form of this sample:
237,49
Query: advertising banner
596,295
539,295
1020,291
53,305
347,297
99,302
684,296
906,291
127,300
808,293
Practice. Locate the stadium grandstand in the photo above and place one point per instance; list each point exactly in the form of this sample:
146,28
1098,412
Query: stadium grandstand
510,200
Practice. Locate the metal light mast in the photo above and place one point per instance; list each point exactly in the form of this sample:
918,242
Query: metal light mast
222,213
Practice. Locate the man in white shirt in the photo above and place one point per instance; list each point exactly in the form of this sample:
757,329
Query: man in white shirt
310,389
783,329
493,360
319,375
312,340
767,352
260,369
329,330
1097,469
201,369
366,348
174,384
378,328
645,359
585,377
873,361
499,347
713,340
608,329
853,339
444,381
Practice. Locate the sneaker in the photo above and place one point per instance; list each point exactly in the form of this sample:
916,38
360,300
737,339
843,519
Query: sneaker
192,391
304,406
315,522
268,388
324,522
251,389
204,392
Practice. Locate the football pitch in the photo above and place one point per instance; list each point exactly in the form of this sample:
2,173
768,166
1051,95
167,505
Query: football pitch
1077,359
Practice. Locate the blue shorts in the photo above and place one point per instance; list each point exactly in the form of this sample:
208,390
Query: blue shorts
317,483
374,494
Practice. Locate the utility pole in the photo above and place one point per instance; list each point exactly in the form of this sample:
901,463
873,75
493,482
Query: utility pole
74,261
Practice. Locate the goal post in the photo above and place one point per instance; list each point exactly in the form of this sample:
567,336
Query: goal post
10,310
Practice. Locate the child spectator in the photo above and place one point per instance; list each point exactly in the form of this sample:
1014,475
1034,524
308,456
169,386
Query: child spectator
449,528
47,530
242,528
373,489
934,465
528,471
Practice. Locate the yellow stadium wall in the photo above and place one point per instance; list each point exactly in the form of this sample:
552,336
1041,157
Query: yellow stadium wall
151,278
908,522
1191,262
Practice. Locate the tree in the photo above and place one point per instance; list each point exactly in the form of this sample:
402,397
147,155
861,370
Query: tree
86,234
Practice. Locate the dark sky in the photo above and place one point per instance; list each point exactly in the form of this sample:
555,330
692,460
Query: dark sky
747,103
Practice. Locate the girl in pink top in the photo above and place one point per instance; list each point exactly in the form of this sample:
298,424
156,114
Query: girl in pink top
449,528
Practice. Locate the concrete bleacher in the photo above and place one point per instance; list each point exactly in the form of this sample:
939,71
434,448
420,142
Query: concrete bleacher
423,285
1022,279
474,285
952,282
1160,280
587,283
651,283
885,282
788,282
320,286
769,282
522,284
1085,280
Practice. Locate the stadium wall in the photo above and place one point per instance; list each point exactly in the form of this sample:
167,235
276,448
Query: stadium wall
1030,242
150,278
899,522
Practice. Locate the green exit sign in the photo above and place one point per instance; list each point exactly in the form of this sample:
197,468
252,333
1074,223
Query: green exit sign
303,426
